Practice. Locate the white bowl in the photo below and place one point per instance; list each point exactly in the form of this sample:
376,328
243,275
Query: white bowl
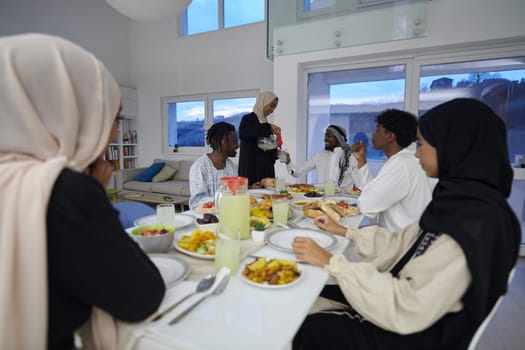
153,244
266,143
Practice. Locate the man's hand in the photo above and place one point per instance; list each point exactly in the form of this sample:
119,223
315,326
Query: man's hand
101,171
359,152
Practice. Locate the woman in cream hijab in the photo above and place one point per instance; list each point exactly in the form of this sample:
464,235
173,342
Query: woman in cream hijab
62,248
254,163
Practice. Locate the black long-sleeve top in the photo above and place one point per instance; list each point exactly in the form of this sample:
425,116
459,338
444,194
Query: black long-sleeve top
92,261
254,163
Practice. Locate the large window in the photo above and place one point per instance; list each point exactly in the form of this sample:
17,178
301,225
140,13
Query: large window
352,99
208,15
500,83
185,118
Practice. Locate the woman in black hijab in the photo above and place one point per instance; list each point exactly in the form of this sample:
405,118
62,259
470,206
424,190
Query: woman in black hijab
430,285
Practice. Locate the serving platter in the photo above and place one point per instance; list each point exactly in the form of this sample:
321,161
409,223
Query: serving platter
172,268
282,240
181,221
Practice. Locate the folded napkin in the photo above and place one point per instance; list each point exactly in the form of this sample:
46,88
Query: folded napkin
129,334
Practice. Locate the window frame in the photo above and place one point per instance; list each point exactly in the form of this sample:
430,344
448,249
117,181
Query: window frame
413,62
208,115
183,26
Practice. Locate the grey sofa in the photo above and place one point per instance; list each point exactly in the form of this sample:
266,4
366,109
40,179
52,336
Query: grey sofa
179,185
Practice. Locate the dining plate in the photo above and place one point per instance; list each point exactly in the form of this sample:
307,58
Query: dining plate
172,269
257,192
351,192
282,240
189,252
181,221
265,285
347,199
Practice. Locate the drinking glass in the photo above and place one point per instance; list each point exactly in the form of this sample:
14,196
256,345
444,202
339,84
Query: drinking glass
227,252
279,184
280,209
329,188
166,214
282,156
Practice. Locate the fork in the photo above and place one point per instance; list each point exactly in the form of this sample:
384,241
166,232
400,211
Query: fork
220,288
202,286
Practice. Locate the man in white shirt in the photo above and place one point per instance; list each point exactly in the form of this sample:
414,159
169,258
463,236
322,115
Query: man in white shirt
208,170
400,192
334,164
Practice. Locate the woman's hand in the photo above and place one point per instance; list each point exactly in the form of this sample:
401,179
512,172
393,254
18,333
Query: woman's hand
101,171
275,129
324,222
307,250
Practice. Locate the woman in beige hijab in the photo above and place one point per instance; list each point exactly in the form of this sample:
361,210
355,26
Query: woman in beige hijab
254,163
62,248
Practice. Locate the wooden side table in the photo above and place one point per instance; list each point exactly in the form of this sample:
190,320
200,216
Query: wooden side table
112,194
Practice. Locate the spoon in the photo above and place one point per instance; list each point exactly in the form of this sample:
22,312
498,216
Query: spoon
202,286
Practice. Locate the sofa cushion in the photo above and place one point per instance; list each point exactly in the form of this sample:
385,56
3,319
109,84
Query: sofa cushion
165,174
183,172
151,171
174,187
181,165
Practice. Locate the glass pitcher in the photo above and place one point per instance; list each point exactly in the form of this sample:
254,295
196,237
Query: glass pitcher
233,203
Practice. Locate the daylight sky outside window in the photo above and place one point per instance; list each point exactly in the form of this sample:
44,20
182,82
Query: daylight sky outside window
238,12
502,90
377,92
232,110
202,16
186,124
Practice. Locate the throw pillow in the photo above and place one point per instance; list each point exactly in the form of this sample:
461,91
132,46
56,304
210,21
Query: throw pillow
165,174
148,174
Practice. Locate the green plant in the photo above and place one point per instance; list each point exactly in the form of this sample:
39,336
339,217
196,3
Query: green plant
258,226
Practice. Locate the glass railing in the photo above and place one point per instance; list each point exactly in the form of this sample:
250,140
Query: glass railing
296,26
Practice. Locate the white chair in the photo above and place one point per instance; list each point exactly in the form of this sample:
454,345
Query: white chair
486,321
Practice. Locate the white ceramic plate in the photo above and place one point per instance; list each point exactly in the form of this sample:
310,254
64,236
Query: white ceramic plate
189,252
257,192
347,199
172,269
265,285
181,221
282,240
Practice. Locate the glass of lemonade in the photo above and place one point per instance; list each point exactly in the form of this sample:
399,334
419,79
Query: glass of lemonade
329,188
280,207
166,214
227,252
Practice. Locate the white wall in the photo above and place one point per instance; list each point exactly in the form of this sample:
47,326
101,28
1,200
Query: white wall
167,65
451,24
92,24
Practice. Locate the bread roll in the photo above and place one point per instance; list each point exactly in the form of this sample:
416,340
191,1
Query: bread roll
312,213
331,211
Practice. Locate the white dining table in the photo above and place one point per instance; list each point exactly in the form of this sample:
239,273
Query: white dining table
246,316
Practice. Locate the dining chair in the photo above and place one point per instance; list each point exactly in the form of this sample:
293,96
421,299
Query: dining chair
129,211
479,332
